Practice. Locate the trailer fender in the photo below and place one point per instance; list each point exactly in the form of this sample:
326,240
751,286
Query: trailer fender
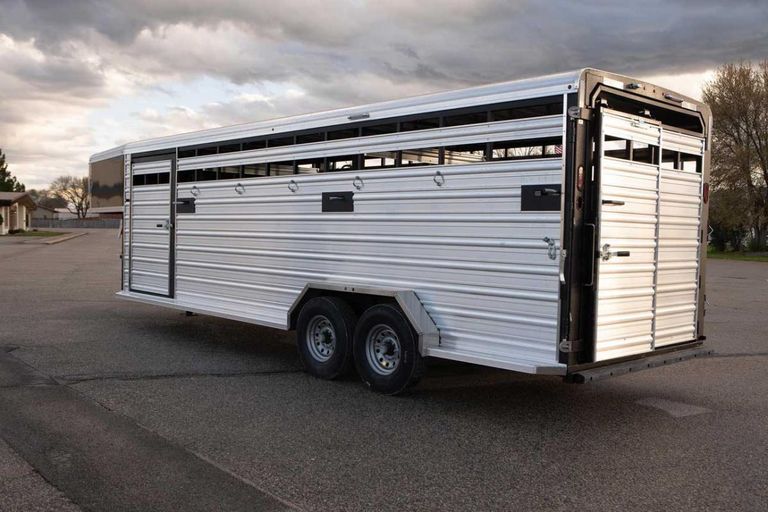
421,321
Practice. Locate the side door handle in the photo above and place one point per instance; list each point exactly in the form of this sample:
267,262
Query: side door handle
612,202
546,192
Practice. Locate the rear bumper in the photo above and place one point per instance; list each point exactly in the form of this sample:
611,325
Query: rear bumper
651,360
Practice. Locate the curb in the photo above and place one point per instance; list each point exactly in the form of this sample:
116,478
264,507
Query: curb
63,238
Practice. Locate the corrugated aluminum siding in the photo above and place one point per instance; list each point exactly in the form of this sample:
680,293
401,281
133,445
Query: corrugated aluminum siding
478,264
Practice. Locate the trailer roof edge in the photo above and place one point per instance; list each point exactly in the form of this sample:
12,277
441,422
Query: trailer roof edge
546,85
502,91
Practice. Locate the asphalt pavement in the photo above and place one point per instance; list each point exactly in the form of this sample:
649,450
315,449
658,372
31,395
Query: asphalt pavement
112,405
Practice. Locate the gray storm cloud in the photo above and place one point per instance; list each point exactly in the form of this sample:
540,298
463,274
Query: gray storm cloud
58,57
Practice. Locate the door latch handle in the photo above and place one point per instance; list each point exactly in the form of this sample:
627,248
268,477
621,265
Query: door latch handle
612,202
546,192
607,254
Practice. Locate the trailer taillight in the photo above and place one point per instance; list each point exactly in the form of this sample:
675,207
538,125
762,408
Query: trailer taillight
705,193
580,178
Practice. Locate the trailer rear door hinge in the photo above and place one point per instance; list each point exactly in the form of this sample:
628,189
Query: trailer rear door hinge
580,113
570,345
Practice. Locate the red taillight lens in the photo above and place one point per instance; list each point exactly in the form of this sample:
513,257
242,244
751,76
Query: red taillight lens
705,194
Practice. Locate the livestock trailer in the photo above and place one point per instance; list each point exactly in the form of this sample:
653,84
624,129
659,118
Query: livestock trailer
553,225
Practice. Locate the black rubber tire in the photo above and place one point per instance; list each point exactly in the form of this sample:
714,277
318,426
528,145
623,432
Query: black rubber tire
411,366
343,320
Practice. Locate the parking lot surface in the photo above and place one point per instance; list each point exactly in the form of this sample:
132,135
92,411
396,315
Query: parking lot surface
113,405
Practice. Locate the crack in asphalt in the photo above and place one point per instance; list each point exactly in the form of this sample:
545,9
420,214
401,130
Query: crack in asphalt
76,379
741,354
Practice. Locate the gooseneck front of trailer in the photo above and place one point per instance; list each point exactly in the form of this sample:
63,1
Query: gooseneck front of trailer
634,236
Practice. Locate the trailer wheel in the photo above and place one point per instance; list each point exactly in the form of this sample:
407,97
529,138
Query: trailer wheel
386,351
324,332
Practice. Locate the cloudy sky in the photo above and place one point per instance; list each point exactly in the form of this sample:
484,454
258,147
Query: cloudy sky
80,76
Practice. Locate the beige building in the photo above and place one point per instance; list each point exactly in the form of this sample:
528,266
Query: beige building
16,211
44,213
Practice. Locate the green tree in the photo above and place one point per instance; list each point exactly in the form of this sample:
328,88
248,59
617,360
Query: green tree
8,182
738,96
729,226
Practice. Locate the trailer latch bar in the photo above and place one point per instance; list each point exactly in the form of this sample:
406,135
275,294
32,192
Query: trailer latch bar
569,346
551,247
606,253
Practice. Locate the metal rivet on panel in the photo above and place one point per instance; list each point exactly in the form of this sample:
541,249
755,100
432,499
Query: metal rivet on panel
293,186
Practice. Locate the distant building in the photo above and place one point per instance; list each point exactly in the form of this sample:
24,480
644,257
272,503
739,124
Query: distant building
65,214
16,210
44,212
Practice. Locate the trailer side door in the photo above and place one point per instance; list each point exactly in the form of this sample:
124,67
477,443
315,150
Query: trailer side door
150,265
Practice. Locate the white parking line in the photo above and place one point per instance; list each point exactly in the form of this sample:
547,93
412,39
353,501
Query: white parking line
674,409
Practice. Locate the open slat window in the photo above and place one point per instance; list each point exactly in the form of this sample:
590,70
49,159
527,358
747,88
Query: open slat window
525,149
449,155
154,178
464,154
343,163
380,160
229,173
280,168
254,170
415,157
206,174
310,166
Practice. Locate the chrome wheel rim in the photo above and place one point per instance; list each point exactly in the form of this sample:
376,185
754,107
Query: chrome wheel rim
383,350
321,338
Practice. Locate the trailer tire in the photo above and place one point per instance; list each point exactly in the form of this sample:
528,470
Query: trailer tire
386,350
324,331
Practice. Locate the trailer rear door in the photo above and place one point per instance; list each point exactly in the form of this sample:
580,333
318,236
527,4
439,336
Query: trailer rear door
680,238
648,236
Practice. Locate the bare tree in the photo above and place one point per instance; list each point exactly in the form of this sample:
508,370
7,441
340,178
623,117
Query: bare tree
74,191
738,96
44,197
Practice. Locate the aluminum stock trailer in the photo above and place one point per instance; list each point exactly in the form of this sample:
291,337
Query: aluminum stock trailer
553,225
